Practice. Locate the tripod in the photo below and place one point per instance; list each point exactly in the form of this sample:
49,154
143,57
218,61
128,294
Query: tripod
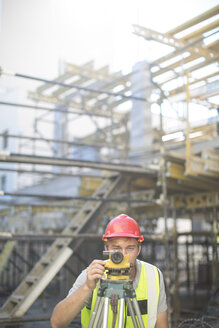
112,290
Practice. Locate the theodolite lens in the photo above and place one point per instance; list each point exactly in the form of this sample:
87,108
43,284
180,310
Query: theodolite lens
117,257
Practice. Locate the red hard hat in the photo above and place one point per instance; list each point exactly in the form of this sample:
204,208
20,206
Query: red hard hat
123,226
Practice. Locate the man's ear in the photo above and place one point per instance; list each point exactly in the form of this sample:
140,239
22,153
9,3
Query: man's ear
139,249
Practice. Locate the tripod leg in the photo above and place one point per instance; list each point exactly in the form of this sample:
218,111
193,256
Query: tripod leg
131,310
97,321
105,314
121,313
93,315
100,323
138,313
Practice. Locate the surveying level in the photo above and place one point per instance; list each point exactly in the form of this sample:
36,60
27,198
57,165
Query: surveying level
117,290
118,266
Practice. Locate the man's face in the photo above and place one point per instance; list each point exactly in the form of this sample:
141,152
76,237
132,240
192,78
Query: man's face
125,246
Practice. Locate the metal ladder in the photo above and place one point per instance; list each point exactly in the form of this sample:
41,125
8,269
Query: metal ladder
58,253
6,253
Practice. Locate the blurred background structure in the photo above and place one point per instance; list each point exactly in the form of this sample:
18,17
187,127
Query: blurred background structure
84,144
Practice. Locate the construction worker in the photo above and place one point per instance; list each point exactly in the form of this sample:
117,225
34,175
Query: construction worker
122,234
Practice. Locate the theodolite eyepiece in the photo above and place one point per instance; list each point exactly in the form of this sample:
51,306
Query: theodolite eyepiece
118,265
115,256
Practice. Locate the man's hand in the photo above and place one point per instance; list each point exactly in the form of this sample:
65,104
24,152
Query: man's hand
95,272
66,310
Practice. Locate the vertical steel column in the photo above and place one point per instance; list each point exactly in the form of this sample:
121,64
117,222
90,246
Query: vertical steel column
34,149
193,253
164,202
215,265
126,138
188,142
188,283
176,313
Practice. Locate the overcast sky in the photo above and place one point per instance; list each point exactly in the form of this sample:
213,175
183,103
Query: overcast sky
35,35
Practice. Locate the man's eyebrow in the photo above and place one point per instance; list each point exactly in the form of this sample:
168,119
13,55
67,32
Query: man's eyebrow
115,245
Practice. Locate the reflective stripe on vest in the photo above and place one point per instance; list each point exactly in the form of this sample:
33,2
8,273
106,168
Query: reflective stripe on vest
147,294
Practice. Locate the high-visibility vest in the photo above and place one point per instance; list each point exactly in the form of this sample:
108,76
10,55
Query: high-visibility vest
147,295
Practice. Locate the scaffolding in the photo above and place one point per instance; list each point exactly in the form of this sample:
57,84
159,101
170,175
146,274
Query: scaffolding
174,179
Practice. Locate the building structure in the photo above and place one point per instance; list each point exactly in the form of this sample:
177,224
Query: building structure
167,176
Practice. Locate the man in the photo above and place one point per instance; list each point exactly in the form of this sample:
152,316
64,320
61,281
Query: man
122,234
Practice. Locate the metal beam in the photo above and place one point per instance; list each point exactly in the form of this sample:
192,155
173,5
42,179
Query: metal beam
72,86
82,107
197,200
192,82
82,198
46,207
64,174
66,142
17,322
61,110
43,160
179,44
212,12
177,172
99,74
177,52
35,236
191,69
201,31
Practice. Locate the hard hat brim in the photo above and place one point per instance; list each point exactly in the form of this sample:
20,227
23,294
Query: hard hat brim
122,234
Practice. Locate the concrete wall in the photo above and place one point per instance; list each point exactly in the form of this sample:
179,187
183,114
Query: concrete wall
140,116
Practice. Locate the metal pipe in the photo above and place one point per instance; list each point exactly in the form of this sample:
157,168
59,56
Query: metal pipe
39,205
105,312
73,86
61,110
83,198
196,233
121,312
188,140
132,313
94,313
54,173
34,237
97,322
67,142
17,321
215,222
48,160
176,313
165,205
138,313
